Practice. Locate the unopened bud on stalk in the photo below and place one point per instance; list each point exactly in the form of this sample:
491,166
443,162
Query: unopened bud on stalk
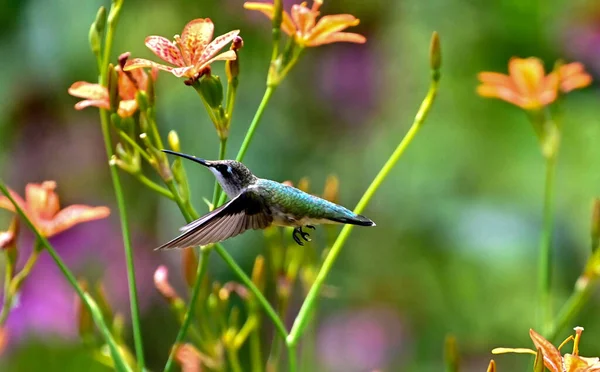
232,67
84,317
161,282
212,90
173,139
189,263
451,354
258,273
8,242
102,302
435,55
97,30
595,229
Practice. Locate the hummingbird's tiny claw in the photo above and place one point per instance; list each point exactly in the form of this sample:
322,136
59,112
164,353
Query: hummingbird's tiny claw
297,231
311,227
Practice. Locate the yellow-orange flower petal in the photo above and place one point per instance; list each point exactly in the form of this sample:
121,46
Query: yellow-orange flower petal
303,26
73,215
287,25
195,37
573,76
41,199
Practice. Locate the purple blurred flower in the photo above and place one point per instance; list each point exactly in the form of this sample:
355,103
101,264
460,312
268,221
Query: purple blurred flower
360,340
582,38
348,82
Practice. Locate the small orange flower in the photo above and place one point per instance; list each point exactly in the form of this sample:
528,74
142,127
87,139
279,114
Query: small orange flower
96,95
42,208
553,360
527,85
191,53
302,25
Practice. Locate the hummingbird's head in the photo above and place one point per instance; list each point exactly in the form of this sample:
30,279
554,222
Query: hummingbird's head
232,175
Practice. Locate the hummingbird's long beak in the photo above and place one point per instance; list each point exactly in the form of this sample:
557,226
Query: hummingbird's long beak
189,157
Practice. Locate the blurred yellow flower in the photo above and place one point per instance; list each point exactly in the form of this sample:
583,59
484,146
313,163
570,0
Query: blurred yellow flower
191,53
302,24
527,85
42,207
553,360
96,95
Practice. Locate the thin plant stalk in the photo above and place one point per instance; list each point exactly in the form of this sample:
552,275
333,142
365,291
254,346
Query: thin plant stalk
570,309
120,364
311,299
545,255
113,16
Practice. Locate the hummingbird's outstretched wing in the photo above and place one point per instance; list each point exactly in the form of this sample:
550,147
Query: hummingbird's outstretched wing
245,211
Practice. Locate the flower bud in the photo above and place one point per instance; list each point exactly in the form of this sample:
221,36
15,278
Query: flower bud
212,90
538,364
84,317
96,31
332,187
189,263
161,282
8,242
102,302
304,184
435,53
595,229
491,366
142,99
173,139
451,354
258,273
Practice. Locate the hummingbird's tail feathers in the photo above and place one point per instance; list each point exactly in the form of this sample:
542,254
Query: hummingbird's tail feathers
355,220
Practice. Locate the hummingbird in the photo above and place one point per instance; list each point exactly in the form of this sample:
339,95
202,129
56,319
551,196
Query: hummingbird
257,203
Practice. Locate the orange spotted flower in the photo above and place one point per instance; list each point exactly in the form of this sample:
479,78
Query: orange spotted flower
553,360
42,207
302,24
191,53
96,95
527,85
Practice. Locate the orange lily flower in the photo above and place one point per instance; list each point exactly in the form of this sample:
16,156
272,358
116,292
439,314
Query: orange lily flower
553,360
96,95
302,25
527,85
191,53
42,207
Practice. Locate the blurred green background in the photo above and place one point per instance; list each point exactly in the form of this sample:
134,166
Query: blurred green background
458,220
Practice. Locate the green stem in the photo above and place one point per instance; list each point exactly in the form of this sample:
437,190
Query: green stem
118,359
135,310
234,360
8,298
154,186
279,326
570,309
251,130
217,190
255,352
187,319
112,19
311,298
545,255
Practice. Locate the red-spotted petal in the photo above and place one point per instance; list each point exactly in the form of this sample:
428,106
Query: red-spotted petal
165,50
140,62
83,89
73,215
195,37
215,46
338,37
287,25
